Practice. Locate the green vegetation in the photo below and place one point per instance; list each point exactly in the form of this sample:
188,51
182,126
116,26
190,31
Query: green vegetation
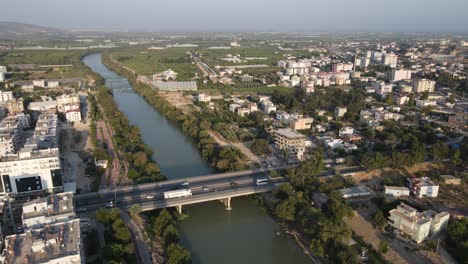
458,239
118,237
260,147
128,140
222,158
324,229
148,62
163,227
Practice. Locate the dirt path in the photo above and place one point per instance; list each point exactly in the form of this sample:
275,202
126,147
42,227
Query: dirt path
240,146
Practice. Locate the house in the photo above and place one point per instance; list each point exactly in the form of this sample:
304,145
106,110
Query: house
202,97
419,226
340,111
355,191
423,187
396,191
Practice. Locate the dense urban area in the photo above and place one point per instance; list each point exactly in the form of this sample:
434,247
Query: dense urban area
353,147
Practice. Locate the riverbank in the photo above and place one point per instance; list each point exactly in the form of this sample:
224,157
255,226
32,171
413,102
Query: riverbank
223,158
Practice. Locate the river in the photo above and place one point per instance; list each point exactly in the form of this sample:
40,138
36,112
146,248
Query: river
214,235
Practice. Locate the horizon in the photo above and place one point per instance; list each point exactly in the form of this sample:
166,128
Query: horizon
359,16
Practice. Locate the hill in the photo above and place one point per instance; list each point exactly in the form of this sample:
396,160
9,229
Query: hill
7,27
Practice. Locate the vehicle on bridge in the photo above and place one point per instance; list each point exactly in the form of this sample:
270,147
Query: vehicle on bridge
262,181
177,193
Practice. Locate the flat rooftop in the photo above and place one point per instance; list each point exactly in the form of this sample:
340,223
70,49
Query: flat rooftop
29,153
289,133
53,242
55,204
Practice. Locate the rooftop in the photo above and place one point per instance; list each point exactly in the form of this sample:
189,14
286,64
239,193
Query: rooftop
53,242
29,153
54,204
289,133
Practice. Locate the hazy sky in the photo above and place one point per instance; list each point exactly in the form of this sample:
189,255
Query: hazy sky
243,15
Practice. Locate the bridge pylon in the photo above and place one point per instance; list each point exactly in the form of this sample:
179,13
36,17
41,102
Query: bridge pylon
227,203
179,209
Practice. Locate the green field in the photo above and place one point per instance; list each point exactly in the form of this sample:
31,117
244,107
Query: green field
247,91
213,56
148,62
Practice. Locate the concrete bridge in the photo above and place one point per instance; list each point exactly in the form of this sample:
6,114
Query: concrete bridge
150,196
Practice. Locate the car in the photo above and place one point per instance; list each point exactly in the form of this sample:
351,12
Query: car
81,210
19,230
110,204
149,196
185,183
206,188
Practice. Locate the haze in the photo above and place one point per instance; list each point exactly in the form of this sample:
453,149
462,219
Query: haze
243,15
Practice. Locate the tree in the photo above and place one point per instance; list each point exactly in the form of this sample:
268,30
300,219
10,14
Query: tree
178,255
456,158
379,219
135,210
170,235
260,147
286,210
316,247
102,215
383,247
439,151
164,219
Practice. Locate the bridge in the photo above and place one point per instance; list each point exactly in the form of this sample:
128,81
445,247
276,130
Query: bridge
216,187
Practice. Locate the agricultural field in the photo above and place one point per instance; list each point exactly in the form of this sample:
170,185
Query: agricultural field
148,62
214,57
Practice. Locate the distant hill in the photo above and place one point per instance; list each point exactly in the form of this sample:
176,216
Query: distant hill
7,27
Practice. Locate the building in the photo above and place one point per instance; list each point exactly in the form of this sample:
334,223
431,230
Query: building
339,67
39,83
72,113
67,99
44,106
290,142
355,191
202,98
340,111
423,85
14,106
390,59
267,107
300,123
423,187
382,88
3,69
398,75
5,96
345,131
175,86
418,226
31,170
396,191
11,135
55,208
52,244
2,77
452,180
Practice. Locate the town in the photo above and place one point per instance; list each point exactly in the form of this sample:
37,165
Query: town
114,148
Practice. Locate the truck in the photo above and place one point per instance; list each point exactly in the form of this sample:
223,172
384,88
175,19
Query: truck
178,193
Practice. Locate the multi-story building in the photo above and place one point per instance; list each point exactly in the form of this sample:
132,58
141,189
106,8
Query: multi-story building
52,244
300,123
55,208
31,170
2,77
267,107
14,106
5,96
423,85
3,69
346,131
398,75
338,67
423,187
67,99
45,134
396,191
340,111
382,88
390,59
72,113
291,142
418,226
11,135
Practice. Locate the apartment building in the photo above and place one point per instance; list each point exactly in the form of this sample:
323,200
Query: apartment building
67,99
423,187
417,225
14,106
55,208
398,75
267,107
72,113
423,85
45,133
390,59
52,244
5,96
382,88
300,123
31,170
291,142
11,135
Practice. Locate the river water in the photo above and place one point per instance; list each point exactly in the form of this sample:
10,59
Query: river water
213,235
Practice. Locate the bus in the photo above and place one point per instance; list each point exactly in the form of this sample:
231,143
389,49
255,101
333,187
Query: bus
177,193
262,181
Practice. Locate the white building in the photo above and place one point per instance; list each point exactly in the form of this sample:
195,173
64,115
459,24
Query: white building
396,191
340,111
398,75
39,83
354,192
52,244
346,131
267,107
390,59
423,85
418,226
72,113
67,99
55,208
2,77
382,89
291,142
423,187
50,106
3,69
31,170
5,96
202,98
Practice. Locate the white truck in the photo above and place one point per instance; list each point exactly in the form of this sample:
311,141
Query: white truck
178,193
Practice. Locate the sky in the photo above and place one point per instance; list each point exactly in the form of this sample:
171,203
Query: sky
242,15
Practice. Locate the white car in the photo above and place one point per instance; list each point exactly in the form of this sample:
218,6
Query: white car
149,196
185,183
